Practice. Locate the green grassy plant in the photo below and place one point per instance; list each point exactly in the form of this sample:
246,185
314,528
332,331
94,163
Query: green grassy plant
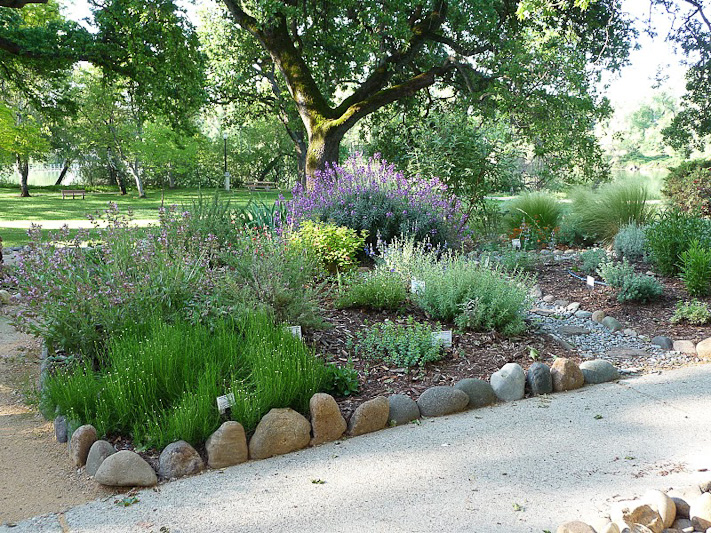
603,212
696,269
534,217
670,235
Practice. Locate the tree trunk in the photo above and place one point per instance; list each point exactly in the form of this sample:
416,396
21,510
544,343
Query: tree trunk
135,170
171,178
63,173
324,144
23,167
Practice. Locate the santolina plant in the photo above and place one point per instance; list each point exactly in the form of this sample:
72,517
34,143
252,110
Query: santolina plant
371,195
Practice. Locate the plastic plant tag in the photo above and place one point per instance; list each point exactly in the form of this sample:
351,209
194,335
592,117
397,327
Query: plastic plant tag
295,331
591,282
516,244
417,286
225,402
442,337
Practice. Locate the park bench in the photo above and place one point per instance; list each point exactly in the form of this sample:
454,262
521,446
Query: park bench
73,193
265,185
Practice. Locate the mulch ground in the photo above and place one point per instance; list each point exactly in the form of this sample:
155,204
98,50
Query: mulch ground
478,355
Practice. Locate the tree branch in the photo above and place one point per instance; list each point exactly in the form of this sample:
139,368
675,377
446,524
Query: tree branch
17,4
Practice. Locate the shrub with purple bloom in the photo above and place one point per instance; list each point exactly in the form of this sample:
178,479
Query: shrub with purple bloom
370,195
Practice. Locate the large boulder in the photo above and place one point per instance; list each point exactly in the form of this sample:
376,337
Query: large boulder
441,401
700,512
280,431
661,503
625,514
566,375
612,324
60,429
539,380
402,410
327,422
80,443
99,451
479,391
125,469
509,383
703,349
685,346
369,416
598,371
179,459
665,343
227,446
575,527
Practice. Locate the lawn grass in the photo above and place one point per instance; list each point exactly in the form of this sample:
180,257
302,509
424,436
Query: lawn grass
46,204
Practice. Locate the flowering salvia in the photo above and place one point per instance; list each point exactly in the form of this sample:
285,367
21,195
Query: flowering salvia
370,194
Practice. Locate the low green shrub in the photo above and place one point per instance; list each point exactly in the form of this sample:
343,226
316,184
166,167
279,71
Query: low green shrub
592,259
534,218
158,382
478,297
615,273
335,246
694,312
639,288
688,185
695,264
630,242
379,289
603,212
512,260
405,256
404,345
571,233
343,379
670,235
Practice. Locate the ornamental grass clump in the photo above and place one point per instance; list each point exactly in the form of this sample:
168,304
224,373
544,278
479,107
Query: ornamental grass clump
534,218
369,195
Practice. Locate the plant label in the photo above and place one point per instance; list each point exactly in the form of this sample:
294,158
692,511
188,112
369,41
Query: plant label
225,402
296,331
591,282
417,286
442,337
516,244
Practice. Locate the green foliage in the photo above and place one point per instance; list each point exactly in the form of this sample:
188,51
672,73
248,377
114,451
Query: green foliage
478,297
405,345
592,259
671,234
688,185
335,246
159,381
639,288
537,211
615,273
344,380
695,266
379,289
262,214
603,212
694,312
512,260
630,242
570,231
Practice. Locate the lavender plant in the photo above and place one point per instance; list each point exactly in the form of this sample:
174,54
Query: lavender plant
370,195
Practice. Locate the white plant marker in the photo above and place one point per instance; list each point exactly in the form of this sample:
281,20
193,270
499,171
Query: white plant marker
225,402
516,244
295,331
442,337
591,282
417,286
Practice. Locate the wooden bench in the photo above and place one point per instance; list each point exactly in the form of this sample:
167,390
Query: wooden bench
265,185
73,193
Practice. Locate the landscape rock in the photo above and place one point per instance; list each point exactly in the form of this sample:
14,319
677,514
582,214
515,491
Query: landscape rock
60,429
99,451
573,330
572,307
683,524
81,442
536,292
509,383
479,391
227,446
179,459
685,346
126,469
538,379
548,298
683,498
682,507
610,527
703,349
583,314
626,351
661,503
700,512
665,343
575,527
543,312
280,431
566,375
561,303
598,316
629,513
629,332
441,401
612,324
560,342
598,371
369,416
402,410
4,297
327,422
